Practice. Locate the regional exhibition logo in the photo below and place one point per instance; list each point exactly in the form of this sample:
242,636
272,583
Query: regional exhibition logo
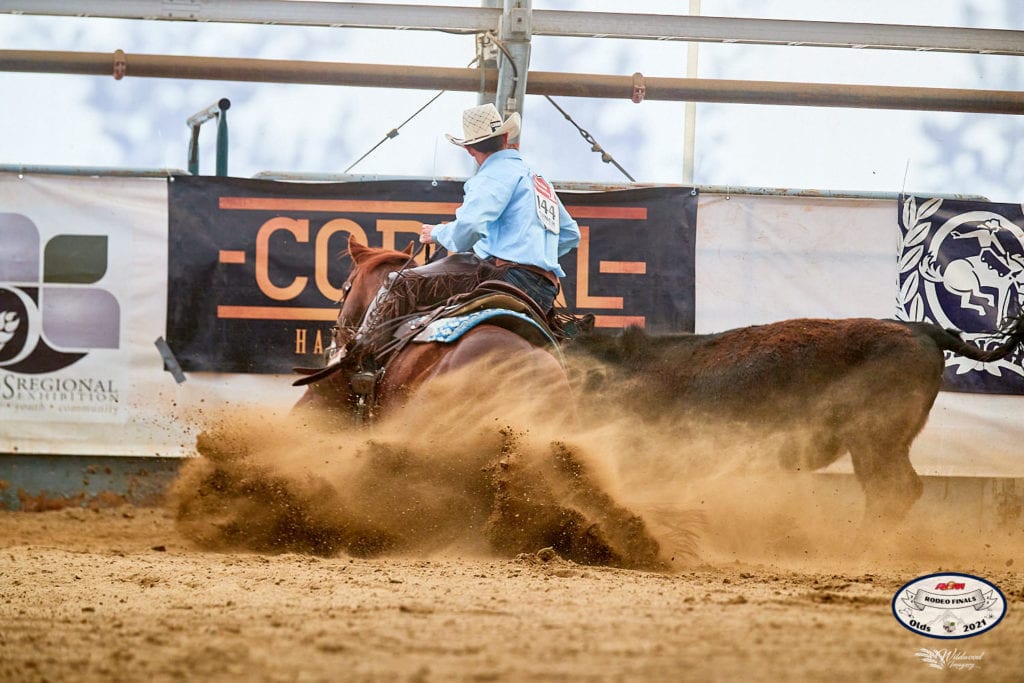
50,314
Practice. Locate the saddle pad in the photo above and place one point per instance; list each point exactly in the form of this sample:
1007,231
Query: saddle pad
449,330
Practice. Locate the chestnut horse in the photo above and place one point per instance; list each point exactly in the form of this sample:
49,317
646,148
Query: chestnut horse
534,501
484,346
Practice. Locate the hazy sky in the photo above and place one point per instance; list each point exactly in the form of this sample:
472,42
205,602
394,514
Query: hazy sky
135,122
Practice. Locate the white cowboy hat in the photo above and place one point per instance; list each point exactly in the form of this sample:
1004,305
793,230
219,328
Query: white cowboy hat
480,123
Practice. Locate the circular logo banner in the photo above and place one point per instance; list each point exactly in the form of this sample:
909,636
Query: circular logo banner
949,605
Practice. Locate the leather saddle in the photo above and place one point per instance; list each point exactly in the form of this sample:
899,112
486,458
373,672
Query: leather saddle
530,323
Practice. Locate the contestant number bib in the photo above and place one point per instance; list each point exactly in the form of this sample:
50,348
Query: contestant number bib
547,204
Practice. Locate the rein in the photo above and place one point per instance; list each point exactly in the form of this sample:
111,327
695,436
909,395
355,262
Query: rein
393,277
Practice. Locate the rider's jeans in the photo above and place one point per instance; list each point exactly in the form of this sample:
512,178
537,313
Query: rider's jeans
539,288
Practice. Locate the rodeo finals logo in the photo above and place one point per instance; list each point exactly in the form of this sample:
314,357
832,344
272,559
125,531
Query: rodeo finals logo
961,265
949,606
50,319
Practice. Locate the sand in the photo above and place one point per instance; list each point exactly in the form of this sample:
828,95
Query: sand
120,595
464,546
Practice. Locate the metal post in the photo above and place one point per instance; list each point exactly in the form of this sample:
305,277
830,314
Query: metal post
222,137
514,33
217,109
690,108
193,151
486,56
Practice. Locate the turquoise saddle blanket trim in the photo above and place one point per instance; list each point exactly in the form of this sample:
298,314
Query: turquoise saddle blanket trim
449,330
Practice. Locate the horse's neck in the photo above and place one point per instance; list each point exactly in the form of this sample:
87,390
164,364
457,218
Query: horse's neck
371,284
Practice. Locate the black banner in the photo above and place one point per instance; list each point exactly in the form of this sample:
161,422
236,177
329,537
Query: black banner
255,266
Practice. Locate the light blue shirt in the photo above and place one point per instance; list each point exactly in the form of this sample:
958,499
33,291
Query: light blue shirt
498,217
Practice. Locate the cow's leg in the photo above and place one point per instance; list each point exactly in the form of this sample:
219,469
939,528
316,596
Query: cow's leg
880,436
890,484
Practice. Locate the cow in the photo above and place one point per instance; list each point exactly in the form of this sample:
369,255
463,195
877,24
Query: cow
822,387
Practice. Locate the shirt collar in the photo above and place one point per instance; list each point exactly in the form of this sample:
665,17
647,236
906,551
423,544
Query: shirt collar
502,154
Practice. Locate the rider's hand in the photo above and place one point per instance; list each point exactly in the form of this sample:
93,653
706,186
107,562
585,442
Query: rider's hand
425,234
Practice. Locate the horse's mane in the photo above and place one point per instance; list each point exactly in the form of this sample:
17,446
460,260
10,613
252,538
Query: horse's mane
380,256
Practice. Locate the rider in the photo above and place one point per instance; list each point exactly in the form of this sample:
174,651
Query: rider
510,215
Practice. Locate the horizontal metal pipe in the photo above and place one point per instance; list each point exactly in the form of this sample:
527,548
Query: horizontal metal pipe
577,186
275,12
257,70
101,171
539,82
779,32
545,23
782,93
587,186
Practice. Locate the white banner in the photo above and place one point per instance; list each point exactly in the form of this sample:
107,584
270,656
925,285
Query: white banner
83,297
766,258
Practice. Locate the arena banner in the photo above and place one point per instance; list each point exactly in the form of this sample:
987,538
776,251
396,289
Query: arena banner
65,295
961,265
82,295
255,267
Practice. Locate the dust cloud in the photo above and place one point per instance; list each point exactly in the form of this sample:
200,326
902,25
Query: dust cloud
462,470
760,496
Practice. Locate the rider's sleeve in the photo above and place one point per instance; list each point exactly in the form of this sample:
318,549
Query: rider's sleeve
485,200
568,231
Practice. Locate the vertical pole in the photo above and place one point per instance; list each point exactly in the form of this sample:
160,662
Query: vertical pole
690,108
515,33
487,57
193,150
222,137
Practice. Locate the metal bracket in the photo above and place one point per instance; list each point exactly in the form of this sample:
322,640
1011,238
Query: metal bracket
120,65
170,362
181,9
216,110
518,24
639,88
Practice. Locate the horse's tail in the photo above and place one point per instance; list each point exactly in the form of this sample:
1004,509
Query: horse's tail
1012,330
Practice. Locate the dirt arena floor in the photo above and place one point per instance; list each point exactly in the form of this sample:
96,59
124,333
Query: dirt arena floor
119,595
407,553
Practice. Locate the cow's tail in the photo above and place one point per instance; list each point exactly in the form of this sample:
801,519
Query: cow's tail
1012,332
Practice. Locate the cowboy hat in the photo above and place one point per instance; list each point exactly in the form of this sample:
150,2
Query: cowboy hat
482,122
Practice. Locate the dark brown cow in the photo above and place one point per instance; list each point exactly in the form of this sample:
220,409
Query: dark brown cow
825,387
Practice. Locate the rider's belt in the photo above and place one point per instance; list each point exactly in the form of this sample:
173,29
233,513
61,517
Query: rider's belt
546,274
